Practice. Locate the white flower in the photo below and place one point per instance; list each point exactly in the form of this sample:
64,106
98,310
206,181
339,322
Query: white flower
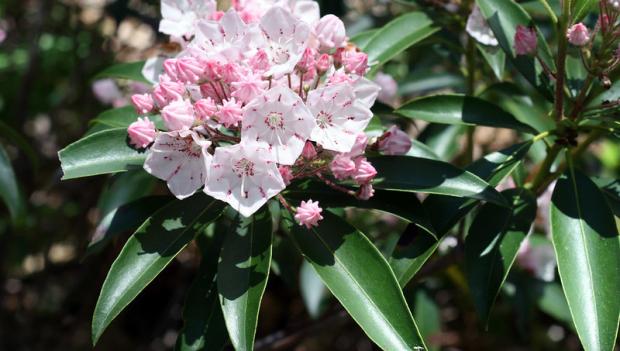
365,90
179,16
153,68
280,119
340,116
245,176
479,29
180,158
227,38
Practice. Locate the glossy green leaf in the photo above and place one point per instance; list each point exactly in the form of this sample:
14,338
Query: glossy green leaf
587,247
362,38
359,277
503,16
580,8
427,81
127,70
313,292
492,244
396,36
104,152
242,275
443,139
413,249
419,149
10,193
460,109
203,322
158,240
611,190
120,117
403,173
495,58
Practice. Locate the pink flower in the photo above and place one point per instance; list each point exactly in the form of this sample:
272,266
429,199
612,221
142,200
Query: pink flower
364,172
355,62
309,152
189,69
230,113
389,88
359,147
107,91
578,34
259,61
170,67
248,86
141,132
181,159
394,142
309,213
172,90
339,77
143,103
205,108
179,17
287,174
159,96
526,40
365,192
342,166
245,176
330,32
307,61
178,115
280,119
323,63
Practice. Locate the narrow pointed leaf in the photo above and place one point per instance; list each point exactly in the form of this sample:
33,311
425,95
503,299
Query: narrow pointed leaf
10,193
127,70
359,277
362,38
104,152
492,244
580,8
461,109
403,173
587,247
120,117
242,275
158,240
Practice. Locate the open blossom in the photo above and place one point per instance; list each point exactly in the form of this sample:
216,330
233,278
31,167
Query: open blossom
309,213
179,16
141,132
578,34
330,32
143,103
180,158
394,142
526,40
178,115
245,176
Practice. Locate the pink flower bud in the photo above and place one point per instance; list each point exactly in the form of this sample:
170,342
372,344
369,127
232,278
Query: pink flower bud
217,15
366,192
172,90
359,147
389,88
230,113
364,171
330,32
143,103
323,63
338,57
309,152
205,108
260,61
342,166
526,40
307,61
394,142
230,72
287,174
141,132
355,62
309,213
578,34
160,97
170,67
178,115
189,69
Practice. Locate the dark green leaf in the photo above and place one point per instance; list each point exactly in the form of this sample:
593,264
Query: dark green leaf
413,249
360,278
460,109
550,299
492,244
158,240
443,139
585,239
419,149
396,36
104,152
495,57
403,173
611,190
10,189
242,275
580,8
127,70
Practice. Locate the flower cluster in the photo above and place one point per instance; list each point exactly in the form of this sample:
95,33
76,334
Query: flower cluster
262,94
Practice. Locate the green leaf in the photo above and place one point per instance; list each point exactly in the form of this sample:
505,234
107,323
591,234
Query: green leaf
503,17
313,292
611,190
587,247
492,244
580,8
428,316
551,300
158,240
495,57
362,38
462,110
413,249
359,277
120,117
396,36
104,152
404,173
10,189
242,275
127,70
203,322
443,139
419,149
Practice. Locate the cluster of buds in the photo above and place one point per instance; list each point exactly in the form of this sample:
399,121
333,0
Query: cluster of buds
258,97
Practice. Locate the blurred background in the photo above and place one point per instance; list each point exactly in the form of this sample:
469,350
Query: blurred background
50,52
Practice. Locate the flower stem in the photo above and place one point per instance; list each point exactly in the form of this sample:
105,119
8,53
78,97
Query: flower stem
561,60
